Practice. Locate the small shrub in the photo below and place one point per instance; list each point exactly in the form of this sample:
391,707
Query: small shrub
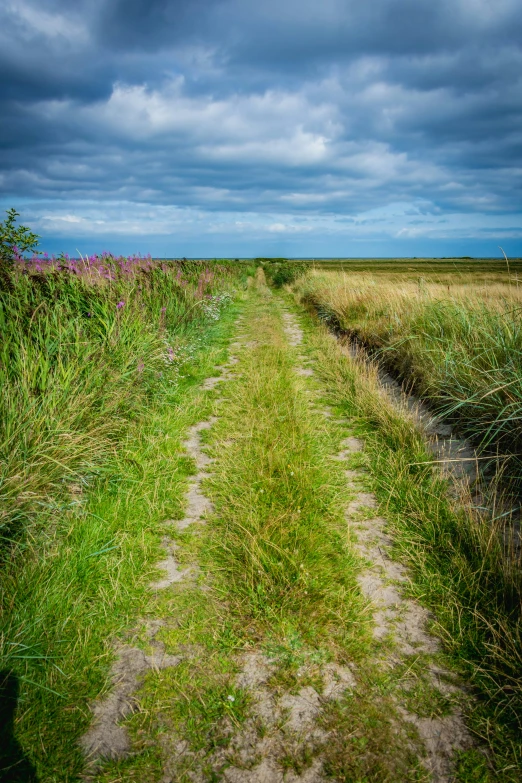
15,240
280,271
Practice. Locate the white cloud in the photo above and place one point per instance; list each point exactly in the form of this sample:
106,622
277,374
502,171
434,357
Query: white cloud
276,126
399,220
38,21
64,218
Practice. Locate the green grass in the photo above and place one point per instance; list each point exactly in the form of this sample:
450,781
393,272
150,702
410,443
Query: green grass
279,536
274,568
455,340
277,578
280,505
277,572
455,558
79,359
367,743
85,536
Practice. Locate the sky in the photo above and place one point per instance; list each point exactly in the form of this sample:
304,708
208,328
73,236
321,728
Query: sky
238,128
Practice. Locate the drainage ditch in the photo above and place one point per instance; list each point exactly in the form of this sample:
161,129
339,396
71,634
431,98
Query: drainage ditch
474,475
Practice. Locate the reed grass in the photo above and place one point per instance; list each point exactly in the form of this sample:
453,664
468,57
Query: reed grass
80,356
96,376
454,340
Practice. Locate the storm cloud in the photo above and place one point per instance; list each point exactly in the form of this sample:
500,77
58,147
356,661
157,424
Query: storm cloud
206,127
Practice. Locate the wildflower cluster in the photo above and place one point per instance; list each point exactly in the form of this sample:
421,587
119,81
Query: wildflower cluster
183,353
181,357
104,266
205,280
213,305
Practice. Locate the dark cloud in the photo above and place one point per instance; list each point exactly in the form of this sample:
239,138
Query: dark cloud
146,26
295,113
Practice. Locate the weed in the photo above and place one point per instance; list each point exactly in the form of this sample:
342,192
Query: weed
368,742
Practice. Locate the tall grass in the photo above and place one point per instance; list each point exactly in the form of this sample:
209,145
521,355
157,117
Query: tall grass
457,343
455,555
82,348
98,361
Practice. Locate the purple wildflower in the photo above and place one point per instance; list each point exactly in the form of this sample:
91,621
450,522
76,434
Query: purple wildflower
120,304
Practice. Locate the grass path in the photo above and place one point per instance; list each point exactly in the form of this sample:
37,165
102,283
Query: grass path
279,645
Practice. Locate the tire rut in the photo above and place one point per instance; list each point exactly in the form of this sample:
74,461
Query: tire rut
399,620
107,738
283,724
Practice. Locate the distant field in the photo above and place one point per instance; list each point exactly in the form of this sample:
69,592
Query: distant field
415,266
418,265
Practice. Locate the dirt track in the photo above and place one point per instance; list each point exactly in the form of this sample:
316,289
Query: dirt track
281,721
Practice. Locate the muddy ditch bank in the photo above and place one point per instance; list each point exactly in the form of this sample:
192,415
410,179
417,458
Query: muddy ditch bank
475,473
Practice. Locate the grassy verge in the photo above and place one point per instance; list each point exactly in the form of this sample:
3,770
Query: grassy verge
454,339
455,558
82,354
279,539
84,521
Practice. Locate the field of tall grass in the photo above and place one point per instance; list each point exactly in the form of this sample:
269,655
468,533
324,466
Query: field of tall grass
455,339
97,361
84,346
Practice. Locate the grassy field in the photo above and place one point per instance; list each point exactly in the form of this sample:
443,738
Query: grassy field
453,338
190,411
416,266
